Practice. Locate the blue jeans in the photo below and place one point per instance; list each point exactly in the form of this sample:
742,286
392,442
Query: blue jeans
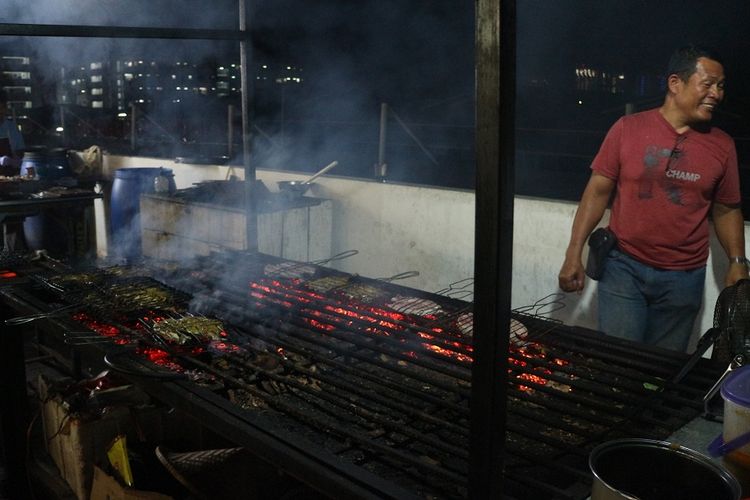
649,305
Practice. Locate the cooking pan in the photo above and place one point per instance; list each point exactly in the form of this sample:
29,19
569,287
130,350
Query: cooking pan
298,188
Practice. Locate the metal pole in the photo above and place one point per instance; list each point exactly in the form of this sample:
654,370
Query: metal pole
230,132
251,221
381,169
132,127
493,254
62,122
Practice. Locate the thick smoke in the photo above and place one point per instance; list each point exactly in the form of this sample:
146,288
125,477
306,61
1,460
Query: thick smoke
417,57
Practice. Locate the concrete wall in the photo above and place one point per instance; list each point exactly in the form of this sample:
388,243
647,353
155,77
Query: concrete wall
398,228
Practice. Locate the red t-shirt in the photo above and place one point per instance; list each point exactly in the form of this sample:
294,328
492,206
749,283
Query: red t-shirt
666,183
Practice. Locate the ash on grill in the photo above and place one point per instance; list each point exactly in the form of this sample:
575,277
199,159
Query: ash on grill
379,375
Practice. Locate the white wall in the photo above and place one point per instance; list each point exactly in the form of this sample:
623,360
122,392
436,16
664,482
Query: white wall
398,228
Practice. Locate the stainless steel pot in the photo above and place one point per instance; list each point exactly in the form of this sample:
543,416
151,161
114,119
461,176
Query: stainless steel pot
643,469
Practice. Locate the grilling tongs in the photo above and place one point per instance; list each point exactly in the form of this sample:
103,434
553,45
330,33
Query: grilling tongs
737,361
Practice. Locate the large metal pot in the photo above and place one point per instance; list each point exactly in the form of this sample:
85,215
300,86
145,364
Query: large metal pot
643,469
298,188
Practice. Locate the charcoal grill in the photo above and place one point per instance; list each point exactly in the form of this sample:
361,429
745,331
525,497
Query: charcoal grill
361,387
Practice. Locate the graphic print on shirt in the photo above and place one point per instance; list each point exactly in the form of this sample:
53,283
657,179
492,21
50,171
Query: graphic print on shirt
651,161
670,178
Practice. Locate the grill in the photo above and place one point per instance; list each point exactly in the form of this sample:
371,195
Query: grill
361,387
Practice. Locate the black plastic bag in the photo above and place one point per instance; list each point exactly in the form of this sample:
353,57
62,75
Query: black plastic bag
601,242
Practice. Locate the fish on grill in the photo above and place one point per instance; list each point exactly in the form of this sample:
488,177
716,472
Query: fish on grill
414,305
289,270
328,283
189,328
518,331
363,292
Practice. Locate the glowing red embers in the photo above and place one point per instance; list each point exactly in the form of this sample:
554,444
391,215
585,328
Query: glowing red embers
8,274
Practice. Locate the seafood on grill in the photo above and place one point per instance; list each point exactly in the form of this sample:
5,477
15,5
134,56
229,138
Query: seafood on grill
189,328
518,331
135,296
323,285
414,305
289,270
363,292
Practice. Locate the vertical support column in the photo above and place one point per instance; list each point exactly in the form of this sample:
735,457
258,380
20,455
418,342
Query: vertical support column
230,132
14,410
381,169
133,117
250,201
62,123
493,254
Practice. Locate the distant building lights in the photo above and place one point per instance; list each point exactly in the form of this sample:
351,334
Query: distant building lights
122,115
580,102
59,130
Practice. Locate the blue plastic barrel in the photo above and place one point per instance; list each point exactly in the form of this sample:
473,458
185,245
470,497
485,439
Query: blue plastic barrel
58,164
125,207
48,164
36,160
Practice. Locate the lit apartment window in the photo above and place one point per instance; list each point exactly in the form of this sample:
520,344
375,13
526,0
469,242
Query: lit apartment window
18,75
96,78
96,65
97,104
97,91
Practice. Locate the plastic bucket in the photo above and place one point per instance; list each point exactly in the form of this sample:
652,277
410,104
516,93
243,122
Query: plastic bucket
644,469
127,187
735,436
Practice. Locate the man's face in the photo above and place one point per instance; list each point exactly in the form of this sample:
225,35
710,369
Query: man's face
701,94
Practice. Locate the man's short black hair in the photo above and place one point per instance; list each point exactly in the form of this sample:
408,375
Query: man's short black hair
683,60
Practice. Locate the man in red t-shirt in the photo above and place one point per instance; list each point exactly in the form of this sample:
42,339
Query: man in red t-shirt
666,167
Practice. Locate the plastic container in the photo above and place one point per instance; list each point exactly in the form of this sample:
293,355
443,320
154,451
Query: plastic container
736,393
51,164
644,469
125,224
33,164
